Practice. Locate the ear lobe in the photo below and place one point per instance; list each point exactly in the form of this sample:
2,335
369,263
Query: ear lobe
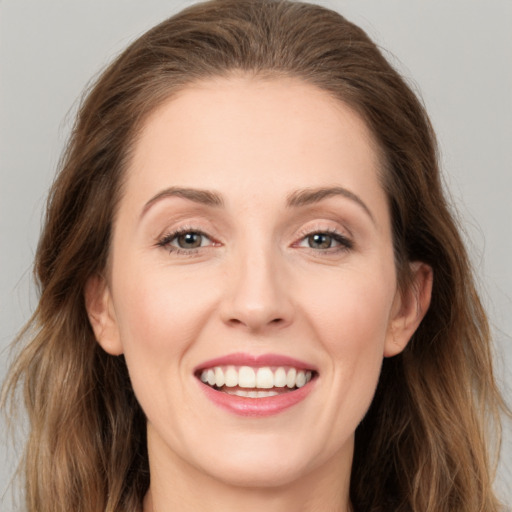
100,310
409,309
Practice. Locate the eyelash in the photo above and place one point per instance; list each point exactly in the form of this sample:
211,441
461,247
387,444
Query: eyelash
345,244
166,240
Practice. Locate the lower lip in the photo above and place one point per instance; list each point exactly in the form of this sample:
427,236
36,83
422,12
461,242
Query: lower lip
259,407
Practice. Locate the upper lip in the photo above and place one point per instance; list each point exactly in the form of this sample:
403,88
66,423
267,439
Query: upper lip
255,361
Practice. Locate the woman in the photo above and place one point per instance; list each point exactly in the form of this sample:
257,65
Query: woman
252,289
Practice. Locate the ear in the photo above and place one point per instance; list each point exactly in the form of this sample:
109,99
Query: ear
409,308
100,309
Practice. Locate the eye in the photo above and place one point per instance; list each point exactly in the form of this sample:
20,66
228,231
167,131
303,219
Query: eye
185,240
324,240
189,240
320,241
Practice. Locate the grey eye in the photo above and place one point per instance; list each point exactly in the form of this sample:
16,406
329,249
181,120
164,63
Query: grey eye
190,240
320,241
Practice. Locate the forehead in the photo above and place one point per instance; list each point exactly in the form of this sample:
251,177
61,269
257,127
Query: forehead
274,131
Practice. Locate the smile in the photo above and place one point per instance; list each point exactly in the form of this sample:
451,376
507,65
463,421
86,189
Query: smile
254,382
251,385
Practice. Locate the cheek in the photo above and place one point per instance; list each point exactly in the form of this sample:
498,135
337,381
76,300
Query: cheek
159,318
353,309
352,322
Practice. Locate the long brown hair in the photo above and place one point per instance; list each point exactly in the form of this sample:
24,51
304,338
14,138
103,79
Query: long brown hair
423,446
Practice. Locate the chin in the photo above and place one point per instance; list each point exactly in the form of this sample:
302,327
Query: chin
257,473
262,462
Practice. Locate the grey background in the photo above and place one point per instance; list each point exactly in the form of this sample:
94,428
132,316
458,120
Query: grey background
458,52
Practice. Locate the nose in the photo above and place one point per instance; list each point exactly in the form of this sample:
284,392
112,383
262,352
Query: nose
257,294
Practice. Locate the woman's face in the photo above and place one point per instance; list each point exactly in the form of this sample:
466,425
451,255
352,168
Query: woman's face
252,249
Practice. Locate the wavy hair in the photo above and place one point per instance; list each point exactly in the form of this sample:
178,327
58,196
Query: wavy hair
424,443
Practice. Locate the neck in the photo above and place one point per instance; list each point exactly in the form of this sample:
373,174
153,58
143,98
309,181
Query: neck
247,501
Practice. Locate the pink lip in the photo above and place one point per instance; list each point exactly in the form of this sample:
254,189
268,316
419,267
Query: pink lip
256,407
241,359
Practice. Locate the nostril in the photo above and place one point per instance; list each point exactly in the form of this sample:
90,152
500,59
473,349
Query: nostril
255,324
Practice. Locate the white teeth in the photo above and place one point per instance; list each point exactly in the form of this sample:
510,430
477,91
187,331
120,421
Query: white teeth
265,378
290,377
231,377
219,377
251,394
255,378
301,379
280,378
246,377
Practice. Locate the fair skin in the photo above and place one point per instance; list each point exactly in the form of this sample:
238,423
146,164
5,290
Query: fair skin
286,252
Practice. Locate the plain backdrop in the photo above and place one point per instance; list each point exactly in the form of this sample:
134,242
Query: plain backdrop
456,53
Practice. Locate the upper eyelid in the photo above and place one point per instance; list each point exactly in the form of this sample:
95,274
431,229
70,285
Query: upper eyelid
169,235
341,239
324,227
307,229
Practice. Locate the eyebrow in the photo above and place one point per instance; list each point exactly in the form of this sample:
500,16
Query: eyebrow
310,196
206,197
296,199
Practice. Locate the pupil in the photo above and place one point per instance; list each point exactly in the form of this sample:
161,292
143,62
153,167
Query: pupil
189,240
320,241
